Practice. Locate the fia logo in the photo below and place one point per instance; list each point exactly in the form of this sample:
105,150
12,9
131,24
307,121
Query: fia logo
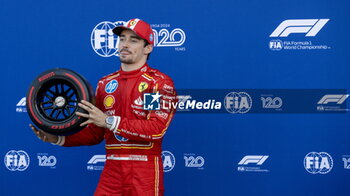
276,45
240,102
168,161
318,163
103,40
151,101
16,160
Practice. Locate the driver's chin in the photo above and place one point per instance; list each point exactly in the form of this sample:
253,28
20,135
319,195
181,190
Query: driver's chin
126,60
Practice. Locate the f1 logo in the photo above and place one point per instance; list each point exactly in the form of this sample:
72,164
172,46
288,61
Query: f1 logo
258,159
339,99
309,26
97,159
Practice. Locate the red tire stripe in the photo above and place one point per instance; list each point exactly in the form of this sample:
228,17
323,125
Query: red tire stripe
79,83
31,107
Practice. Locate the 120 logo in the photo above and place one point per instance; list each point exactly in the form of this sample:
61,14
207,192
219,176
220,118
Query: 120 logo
105,43
194,161
47,161
271,102
167,39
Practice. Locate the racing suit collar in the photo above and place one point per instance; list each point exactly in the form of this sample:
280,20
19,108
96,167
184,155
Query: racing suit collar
135,73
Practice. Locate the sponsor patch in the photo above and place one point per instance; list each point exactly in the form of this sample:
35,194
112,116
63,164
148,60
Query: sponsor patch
111,86
143,86
109,101
162,114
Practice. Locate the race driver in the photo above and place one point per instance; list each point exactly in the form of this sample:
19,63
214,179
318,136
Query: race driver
133,135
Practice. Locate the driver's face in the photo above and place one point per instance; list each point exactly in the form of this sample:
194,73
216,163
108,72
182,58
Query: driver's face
131,47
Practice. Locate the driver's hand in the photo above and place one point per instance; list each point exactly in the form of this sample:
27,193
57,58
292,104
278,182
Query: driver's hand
46,137
95,115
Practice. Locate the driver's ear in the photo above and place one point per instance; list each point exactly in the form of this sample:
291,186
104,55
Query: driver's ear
148,49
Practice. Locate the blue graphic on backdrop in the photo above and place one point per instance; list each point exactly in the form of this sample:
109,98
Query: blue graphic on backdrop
318,163
168,161
16,160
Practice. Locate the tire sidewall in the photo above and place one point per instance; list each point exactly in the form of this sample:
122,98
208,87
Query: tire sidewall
69,125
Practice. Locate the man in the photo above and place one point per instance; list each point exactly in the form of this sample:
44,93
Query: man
133,135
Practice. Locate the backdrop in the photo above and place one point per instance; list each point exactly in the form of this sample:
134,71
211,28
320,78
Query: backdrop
279,70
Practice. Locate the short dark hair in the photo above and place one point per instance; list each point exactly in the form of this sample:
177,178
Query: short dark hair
146,44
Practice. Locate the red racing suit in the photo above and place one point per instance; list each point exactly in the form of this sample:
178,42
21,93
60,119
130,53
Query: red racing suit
133,150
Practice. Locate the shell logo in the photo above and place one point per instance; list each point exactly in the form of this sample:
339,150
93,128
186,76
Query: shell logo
109,101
